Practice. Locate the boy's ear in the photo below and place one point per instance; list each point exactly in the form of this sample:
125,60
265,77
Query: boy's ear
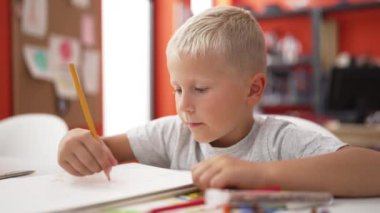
256,88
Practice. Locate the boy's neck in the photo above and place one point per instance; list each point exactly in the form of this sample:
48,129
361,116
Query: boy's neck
243,130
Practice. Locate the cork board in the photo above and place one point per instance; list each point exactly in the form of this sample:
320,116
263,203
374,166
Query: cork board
31,95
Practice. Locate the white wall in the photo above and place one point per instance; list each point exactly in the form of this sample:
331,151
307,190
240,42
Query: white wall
126,44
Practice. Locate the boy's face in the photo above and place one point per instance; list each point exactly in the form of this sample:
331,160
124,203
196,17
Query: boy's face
211,100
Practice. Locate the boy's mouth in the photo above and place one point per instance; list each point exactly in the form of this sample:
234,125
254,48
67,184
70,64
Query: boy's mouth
193,124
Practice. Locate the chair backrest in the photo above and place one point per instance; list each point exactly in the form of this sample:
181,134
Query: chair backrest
33,138
303,123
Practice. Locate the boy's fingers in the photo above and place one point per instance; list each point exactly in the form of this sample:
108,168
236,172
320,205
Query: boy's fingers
198,170
87,158
206,177
78,166
99,151
219,180
66,165
112,158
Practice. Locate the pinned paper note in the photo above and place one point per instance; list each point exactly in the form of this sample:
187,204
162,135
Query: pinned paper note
64,86
34,20
62,51
87,30
82,4
90,70
36,60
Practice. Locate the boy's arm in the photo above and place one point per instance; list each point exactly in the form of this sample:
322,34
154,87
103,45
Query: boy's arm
120,148
347,172
350,171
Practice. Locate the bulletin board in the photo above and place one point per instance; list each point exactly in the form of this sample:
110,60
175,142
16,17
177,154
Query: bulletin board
64,18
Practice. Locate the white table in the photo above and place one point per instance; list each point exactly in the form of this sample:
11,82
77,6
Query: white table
365,205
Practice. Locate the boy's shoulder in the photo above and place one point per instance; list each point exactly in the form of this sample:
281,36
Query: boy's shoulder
271,121
295,124
270,126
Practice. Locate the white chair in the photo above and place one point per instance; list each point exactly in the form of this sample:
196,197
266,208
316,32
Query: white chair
301,122
31,142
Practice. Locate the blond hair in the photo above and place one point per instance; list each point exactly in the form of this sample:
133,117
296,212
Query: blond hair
230,32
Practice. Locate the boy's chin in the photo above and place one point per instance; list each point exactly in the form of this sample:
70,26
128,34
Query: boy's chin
202,139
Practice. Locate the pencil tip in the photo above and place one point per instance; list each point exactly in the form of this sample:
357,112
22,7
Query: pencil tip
107,173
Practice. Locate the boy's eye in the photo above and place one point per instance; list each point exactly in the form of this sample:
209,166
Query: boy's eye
201,90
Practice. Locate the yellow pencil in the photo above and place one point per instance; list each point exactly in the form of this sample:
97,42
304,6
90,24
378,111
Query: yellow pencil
84,105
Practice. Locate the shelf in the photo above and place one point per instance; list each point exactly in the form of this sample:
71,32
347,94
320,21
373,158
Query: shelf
311,68
304,62
302,12
308,11
345,7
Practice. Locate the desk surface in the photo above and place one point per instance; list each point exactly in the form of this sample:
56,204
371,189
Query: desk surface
357,134
367,205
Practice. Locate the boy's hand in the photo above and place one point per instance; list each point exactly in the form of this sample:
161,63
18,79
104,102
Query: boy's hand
226,171
81,154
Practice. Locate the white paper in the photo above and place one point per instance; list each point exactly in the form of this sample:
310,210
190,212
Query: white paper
90,72
62,51
58,192
34,20
36,60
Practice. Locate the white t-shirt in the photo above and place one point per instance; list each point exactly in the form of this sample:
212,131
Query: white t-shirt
167,142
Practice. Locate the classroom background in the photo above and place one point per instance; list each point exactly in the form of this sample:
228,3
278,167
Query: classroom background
323,60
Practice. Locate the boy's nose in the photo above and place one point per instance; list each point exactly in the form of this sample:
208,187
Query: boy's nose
185,104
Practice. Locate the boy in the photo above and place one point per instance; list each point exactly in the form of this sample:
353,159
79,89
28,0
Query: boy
217,65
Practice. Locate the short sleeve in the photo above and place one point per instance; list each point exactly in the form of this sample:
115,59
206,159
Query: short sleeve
293,142
301,143
150,143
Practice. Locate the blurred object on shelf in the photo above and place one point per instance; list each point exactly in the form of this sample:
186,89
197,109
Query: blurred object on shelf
365,61
273,9
271,42
290,48
373,118
343,60
298,4
282,51
273,49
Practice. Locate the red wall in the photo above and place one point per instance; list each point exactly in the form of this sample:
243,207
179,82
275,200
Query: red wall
359,31
163,29
5,60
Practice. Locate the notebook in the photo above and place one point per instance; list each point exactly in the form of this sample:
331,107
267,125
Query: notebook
62,192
